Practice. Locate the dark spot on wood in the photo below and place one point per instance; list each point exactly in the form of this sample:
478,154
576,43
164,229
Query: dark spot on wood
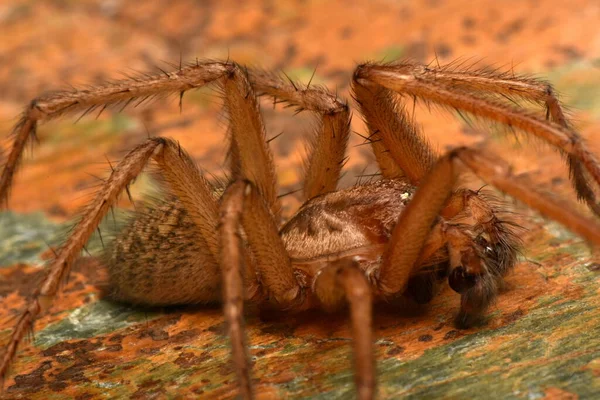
158,334
114,348
346,33
512,317
219,329
149,383
108,370
468,23
425,338
57,386
116,338
33,381
189,359
75,372
453,334
395,350
444,50
594,267
570,52
63,359
149,389
84,396
290,52
82,347
185,336
510,29
150,351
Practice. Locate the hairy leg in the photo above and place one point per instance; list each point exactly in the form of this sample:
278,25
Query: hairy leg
251,157
510,86
232,266
343,280
243,206
271,260
327,147
125,92
402,79
194,194
59,268
400,149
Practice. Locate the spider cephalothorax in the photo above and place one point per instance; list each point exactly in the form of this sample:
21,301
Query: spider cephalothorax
399,236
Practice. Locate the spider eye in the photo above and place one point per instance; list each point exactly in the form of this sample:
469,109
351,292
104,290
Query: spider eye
460,280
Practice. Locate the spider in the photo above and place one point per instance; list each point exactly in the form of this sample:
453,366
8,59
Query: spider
400,236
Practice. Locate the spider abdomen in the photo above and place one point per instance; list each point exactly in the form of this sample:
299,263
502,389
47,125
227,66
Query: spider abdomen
160,258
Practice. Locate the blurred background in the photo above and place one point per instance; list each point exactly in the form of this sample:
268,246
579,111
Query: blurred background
53,45
58,44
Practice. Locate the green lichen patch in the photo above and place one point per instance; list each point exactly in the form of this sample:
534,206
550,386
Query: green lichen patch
23,237
579,84
91,320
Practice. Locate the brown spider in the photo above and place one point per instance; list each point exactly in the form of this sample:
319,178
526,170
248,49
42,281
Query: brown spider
399,236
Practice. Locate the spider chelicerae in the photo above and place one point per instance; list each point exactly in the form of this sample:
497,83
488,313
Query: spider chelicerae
400,236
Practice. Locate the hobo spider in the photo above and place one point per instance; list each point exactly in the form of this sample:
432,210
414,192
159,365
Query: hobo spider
399,236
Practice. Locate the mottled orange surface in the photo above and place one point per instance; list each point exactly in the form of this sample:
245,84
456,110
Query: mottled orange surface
50,45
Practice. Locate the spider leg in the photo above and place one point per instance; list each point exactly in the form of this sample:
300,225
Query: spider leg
328,146
197,197
271,260
413,230
55,104
504,84
413,227
510,86
242,206
232,262
400,149
344,279
400,79
122,175
184,179
250,154
494,171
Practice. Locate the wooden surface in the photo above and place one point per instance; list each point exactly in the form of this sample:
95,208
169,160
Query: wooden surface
542,337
